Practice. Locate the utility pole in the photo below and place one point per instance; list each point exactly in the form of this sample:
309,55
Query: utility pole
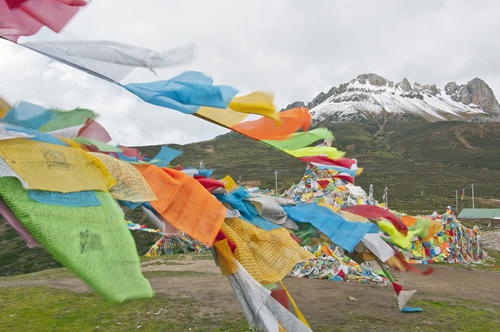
386,196
472,185
456,192
276,176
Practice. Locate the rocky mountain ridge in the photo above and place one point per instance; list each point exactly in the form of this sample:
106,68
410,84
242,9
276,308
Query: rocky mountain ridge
371,95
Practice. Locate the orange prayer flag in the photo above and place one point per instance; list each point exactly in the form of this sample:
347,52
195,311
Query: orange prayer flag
265,128
408,220
184,202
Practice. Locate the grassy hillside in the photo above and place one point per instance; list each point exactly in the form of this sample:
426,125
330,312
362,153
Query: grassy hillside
406,178
16,258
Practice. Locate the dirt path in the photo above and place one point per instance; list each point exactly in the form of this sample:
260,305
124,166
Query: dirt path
316,298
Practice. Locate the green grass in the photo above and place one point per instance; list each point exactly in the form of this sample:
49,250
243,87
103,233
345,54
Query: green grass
177,257
153,274
39,275
47,309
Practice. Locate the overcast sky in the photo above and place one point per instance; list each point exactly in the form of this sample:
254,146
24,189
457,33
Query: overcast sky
295,49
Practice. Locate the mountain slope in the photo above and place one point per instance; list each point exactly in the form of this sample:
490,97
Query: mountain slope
370,95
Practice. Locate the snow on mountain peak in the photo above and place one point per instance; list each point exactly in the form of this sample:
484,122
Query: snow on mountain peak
372,95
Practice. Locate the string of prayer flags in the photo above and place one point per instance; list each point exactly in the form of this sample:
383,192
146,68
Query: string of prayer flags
301,140
51,167
184,93
266,129
184,202
25,18
93,242
110,60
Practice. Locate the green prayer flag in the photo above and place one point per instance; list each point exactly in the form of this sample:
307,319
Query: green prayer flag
65,119
300,140
100,145
94,241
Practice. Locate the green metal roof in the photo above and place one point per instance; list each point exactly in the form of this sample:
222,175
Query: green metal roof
479,214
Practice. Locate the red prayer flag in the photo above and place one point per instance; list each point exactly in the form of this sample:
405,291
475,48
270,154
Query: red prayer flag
93,130
346,177
280,296
25,18
376,212
397,288
324,160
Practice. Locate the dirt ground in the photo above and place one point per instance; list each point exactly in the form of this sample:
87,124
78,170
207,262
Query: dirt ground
324,302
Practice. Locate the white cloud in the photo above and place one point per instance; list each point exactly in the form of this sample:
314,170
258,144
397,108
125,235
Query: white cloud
294,48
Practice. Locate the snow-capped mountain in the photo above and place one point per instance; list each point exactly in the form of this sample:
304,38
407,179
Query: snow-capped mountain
370,95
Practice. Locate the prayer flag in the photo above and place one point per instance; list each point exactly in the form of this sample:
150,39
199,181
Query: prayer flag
25,18
184,93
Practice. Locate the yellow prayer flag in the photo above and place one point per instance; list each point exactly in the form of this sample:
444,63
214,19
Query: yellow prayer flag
51,167
225,117
267,255
229,183
130,184
332,153
359,171
225,258
260,103
329,206
4,107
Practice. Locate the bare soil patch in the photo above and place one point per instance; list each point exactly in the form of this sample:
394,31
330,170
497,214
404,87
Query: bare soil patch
324,302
